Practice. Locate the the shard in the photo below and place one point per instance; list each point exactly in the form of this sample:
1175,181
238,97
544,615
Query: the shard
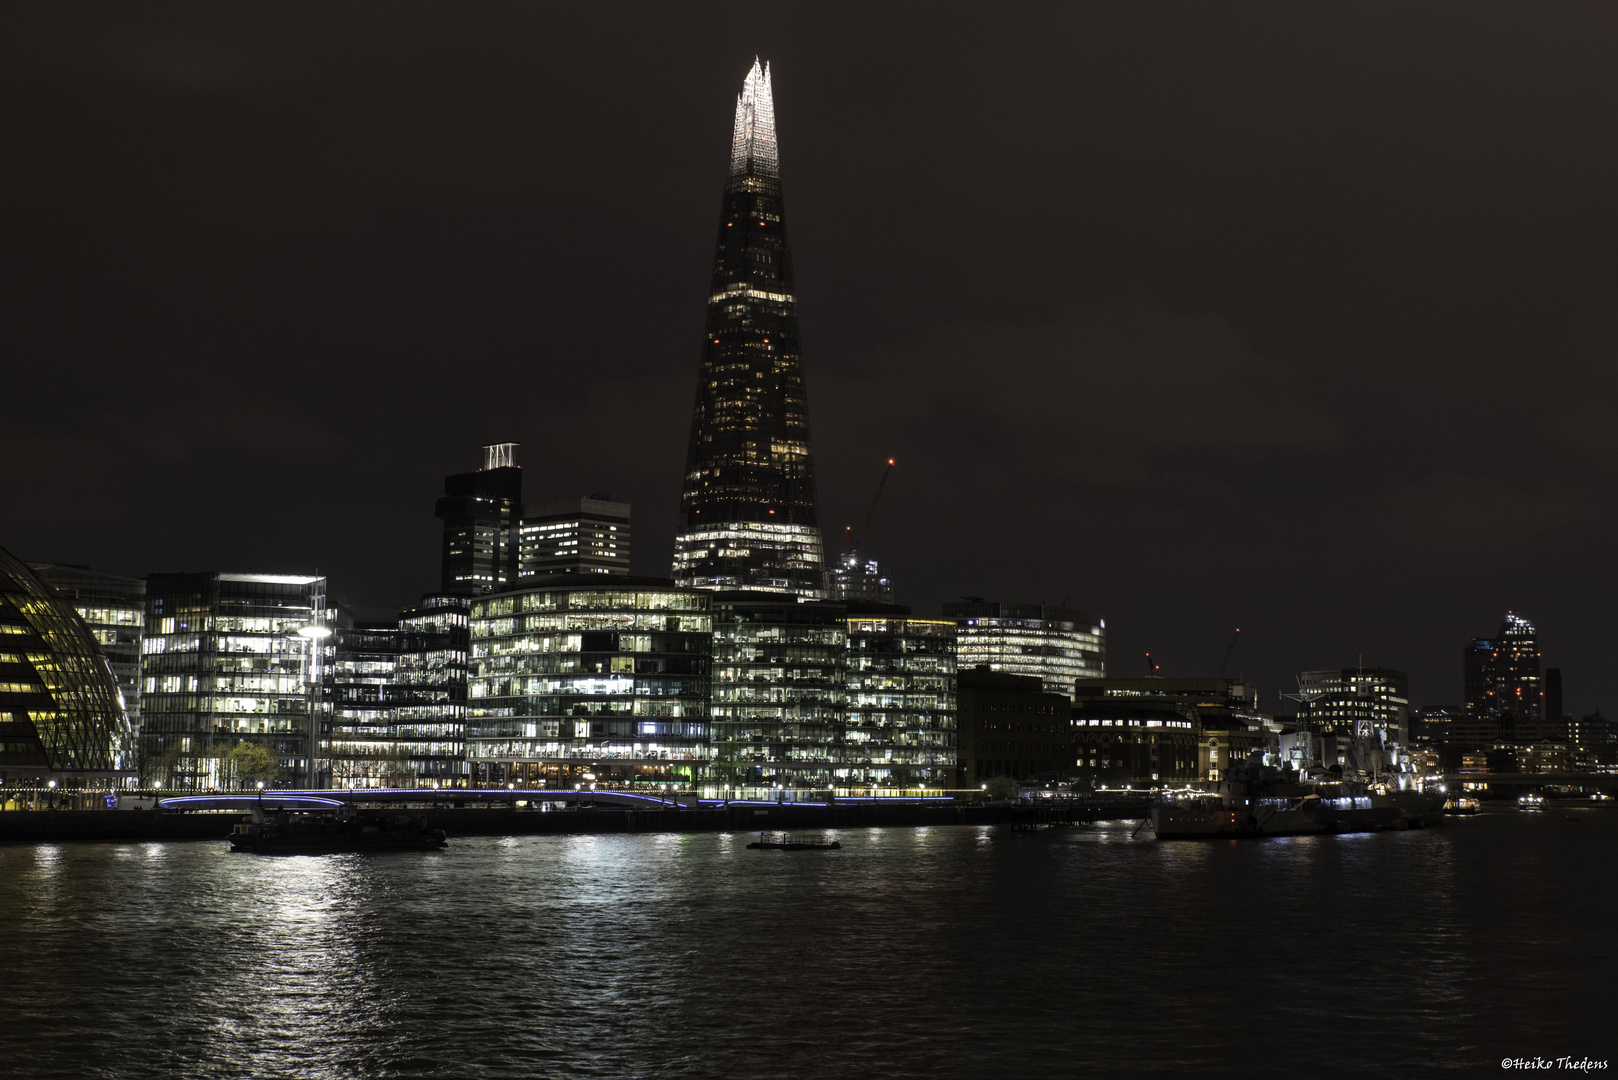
748,514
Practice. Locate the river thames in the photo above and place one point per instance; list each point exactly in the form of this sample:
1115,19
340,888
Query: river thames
959,951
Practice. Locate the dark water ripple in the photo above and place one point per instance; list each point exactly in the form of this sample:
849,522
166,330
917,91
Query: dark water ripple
941,952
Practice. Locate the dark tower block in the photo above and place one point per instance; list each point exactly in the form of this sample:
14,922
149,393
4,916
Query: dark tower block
481,512
748,514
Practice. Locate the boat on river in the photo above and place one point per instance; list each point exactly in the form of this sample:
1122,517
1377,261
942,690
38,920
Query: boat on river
330,834
788,842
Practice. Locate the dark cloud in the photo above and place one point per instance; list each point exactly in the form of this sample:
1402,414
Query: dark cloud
1303,319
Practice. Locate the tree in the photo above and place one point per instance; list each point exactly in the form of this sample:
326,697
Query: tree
1001,788
249,763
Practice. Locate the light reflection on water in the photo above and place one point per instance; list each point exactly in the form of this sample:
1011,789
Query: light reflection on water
969,951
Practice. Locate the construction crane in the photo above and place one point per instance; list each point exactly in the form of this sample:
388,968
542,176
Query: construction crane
1228,651
856,539
1151,668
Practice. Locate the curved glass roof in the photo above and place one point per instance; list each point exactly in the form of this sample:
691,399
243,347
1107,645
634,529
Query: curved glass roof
54,679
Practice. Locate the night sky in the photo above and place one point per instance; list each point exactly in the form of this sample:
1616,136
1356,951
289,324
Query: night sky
1298,318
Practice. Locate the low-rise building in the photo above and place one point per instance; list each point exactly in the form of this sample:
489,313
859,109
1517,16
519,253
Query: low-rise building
1009,725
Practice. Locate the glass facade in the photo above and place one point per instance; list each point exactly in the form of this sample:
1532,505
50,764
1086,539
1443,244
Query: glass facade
60,710
114,608
580,681
574,536
780,676
481,512
224,665
1060,645
394,697
901,702
749,518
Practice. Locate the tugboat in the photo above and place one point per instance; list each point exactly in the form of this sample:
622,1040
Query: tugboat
328,834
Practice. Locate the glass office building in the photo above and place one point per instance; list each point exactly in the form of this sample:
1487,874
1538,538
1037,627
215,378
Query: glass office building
901,701
114,608
224,664
780,673
61,716
749,519
581,680
1058,644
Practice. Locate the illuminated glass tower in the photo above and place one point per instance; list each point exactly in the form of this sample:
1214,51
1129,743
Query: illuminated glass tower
748,514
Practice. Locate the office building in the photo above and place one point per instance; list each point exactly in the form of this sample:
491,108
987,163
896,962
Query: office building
1371,704
583,680
114,608
1060,645
1010,725
61,717
859,579
1224,714
780,674
1505,694
394,698
900,730
1120,743
226,663
574,536
749,518
433,672
482,512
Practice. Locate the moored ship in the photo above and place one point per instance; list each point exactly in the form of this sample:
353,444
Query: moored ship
1262,801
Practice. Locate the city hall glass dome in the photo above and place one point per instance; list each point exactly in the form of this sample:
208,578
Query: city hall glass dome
59,705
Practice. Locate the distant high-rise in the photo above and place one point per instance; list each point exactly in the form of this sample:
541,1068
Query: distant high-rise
856,578
748,513
574,536
1503,683
480,511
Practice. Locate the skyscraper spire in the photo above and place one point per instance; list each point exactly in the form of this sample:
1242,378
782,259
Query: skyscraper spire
748,513
752,147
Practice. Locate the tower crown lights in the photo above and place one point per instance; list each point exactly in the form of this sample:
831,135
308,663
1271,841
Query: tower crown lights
752,146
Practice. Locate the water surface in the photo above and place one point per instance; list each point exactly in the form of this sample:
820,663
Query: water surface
959,951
